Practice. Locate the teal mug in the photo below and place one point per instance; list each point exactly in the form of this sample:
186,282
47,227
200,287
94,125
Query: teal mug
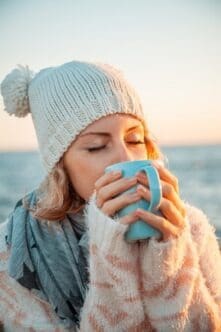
140,230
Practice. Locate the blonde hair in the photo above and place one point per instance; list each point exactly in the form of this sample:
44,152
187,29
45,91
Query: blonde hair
56,196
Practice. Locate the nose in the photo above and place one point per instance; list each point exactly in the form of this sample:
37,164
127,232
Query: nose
122,153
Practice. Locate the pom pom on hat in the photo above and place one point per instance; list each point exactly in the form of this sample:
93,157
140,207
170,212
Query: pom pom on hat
14,89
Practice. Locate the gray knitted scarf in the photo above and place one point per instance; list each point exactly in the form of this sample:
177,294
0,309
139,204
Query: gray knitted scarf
50,258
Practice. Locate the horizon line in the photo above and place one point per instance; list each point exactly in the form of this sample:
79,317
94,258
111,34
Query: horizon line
164,145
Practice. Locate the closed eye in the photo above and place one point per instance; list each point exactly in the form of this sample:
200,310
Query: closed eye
94,149
138,142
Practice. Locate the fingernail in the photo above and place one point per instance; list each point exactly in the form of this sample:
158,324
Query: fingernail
138,211
142,188
116,173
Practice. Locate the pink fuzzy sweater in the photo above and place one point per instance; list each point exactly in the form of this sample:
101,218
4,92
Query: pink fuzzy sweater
146,286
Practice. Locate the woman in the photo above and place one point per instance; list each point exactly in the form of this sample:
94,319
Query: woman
64,262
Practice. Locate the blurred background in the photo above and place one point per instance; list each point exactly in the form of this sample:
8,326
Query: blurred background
169,50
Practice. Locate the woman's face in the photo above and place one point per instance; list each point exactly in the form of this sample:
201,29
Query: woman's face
111,139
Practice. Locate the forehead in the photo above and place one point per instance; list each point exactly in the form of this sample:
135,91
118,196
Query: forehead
113,122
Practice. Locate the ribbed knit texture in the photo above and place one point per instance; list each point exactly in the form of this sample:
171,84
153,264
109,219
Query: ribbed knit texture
114,301
155,286
171,286
64,100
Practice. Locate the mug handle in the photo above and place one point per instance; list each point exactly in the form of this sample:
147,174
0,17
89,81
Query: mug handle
155,186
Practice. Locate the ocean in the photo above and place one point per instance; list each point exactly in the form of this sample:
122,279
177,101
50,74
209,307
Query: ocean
198,169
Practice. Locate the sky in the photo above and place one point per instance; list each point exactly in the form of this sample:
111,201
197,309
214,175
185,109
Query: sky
169,50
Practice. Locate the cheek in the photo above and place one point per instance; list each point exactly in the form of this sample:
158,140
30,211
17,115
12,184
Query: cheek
83,175
141,153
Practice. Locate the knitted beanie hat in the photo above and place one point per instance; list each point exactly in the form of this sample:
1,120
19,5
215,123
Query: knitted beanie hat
64,100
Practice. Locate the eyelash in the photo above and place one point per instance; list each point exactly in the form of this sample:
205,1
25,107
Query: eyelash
103,146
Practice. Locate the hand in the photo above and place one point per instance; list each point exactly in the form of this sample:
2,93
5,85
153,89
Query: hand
109,188
171,206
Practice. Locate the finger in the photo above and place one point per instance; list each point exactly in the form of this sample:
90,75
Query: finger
168,192
142,178
129,219
167,229
144,192
167,208
113,189
164,174
114,205
107,178
167,176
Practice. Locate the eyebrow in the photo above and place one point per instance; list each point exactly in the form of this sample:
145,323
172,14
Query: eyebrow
107,134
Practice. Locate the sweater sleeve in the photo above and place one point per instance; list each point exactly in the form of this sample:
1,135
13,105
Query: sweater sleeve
113,301
181,282
209,253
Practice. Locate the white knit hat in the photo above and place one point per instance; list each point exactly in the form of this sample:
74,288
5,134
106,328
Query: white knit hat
64,100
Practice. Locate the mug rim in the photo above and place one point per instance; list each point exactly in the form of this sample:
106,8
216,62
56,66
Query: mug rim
130,161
